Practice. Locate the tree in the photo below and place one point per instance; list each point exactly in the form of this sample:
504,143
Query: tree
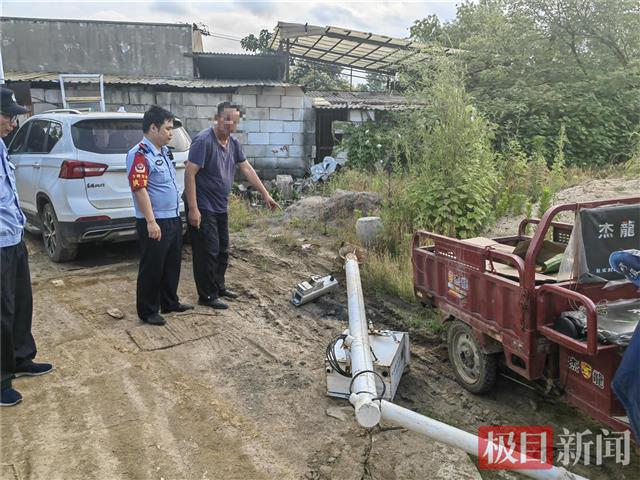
259,44
534,65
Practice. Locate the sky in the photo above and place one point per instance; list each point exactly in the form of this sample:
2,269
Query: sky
231,20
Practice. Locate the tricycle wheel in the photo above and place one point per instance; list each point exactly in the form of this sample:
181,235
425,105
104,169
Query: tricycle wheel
475,371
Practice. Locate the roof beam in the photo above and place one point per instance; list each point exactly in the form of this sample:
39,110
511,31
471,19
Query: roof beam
328,62
324,52
375,50
370,41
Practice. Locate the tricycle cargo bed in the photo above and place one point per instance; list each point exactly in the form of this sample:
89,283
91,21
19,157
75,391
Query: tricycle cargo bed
540,323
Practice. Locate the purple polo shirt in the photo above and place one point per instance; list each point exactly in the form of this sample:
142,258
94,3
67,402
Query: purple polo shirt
217,169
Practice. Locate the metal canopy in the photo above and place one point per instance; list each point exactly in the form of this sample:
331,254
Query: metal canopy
349,48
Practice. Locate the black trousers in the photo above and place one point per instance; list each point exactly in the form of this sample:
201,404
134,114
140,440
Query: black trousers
159,271
210,247
17,342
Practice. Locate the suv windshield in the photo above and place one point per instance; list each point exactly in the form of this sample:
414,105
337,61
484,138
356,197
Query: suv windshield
119,135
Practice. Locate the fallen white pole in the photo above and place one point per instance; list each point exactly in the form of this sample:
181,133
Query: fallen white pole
466,441
369,410
363,385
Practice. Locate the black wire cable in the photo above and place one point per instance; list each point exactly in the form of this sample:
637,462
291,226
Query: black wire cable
384,386
331,355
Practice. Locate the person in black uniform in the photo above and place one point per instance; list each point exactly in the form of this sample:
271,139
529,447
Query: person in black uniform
152,178
18,347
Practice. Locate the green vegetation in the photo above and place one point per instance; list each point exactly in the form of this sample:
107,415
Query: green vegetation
534,66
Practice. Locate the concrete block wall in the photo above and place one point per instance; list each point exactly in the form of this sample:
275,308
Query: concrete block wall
275,120
277,129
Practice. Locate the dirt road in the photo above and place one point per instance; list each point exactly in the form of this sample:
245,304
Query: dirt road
237,394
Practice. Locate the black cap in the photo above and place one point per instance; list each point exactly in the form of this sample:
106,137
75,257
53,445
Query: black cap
8,103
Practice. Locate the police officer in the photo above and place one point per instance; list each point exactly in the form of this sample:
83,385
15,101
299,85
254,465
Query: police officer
18,345
152,178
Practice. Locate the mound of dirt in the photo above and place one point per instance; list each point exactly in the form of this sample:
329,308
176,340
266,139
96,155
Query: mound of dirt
589,191
340,205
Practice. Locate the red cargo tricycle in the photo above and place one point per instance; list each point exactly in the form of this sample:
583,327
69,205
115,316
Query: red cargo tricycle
505,309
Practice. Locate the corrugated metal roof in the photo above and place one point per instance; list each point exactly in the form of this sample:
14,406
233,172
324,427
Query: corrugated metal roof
359,100
231,54
223,66
351,48
186,83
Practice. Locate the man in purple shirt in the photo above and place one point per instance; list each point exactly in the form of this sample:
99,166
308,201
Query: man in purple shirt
213,157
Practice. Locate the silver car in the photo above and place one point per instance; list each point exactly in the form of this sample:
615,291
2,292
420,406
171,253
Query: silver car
72,179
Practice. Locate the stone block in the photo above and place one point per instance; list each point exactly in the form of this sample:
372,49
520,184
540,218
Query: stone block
246,101
298,139
255,151
116,95
169,98
249,126
248,90
281,113
204,99
293,127
293,92
280,138
289,163
292,102
284,183
265,163
271,126
309,139
257,113
296,151
309,126
242,137
279,91
183,111
53,96
298,114
268,101
141,97
258,139
280,150
206,112
196,124
308,103
368,230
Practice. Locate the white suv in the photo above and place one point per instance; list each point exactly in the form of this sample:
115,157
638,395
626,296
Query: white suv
72,179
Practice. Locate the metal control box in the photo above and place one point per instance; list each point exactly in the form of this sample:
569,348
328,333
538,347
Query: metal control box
391,358
313,288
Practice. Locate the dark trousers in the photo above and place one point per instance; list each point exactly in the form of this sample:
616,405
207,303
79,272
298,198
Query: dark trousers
210,247
159,271
18,345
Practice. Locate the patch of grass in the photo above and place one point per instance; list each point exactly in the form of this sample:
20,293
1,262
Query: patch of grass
357,181
577,175
284,239
388,274
241,214
423,322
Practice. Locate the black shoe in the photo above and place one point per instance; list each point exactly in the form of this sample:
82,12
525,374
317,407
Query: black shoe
214,303
9,397
229,293
33,370
155,319
180,307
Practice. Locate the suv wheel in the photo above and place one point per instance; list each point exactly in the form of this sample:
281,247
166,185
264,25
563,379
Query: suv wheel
53,242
